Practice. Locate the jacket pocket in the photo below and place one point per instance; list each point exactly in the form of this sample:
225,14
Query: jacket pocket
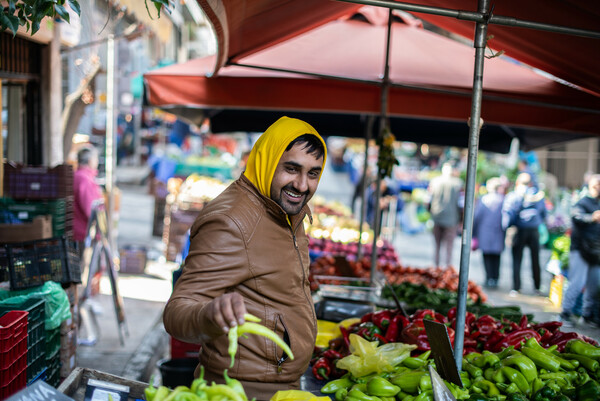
281,330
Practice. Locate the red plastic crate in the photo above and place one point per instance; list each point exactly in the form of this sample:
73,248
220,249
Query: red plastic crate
13,352
180,349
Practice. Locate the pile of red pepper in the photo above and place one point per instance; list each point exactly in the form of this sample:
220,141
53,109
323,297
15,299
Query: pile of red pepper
481,333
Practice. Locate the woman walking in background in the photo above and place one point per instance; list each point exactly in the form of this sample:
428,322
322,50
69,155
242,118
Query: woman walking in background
488,231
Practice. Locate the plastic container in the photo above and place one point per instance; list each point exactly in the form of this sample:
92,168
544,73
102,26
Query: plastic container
52,342
178,371
38,182
53,369
36,333
180,349
13,352
26,210
32,263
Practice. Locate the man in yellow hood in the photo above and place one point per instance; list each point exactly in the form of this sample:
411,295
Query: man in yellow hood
249,254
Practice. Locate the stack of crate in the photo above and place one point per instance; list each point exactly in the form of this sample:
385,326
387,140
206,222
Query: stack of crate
33,191
68,334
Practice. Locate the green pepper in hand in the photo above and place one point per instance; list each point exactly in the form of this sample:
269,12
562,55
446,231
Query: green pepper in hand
252,327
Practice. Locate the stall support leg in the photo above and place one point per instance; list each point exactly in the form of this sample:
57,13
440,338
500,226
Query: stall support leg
474,126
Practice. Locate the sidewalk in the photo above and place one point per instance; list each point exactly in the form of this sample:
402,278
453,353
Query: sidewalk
144,295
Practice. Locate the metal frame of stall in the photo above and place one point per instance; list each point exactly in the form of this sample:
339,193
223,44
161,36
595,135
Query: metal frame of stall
482,17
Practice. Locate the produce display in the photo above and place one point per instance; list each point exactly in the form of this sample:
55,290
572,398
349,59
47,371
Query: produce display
199,390
386,354
396,274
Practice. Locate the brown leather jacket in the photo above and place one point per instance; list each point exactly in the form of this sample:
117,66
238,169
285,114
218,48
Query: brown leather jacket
242,241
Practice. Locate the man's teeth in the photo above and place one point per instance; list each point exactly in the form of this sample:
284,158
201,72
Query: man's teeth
293,195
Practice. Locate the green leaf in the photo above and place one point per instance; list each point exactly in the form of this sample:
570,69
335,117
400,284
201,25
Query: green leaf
62,12
9,22
158,5
74,4
35,26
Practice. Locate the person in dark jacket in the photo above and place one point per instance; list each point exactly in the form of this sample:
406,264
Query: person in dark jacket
584,257
488,231
249,254
525,209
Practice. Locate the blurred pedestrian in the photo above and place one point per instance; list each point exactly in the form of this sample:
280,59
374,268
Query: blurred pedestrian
488,231
387,194
584,257
361,187
445,211
85,191
525,209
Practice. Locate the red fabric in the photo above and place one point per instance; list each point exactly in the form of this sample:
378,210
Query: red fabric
85,191
354,49
255,25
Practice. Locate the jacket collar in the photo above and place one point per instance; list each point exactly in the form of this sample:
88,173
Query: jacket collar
273,208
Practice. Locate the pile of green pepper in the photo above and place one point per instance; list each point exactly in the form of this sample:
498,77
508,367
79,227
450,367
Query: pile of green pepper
531,373
200,390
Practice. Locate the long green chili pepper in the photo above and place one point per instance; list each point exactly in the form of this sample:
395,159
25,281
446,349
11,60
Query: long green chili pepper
215,390
251,326
235,384
233,343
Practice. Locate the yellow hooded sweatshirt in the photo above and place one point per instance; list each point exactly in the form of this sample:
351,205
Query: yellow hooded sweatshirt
269,147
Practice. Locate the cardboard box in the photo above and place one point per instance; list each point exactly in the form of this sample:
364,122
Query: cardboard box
39,228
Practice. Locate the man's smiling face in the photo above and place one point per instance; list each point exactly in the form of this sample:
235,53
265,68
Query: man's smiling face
296,178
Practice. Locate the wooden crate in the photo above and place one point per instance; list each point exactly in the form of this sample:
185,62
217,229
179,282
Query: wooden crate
75,384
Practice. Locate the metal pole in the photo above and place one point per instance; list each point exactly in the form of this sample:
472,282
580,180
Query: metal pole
382,124
363,203
109,158
478,17
474,126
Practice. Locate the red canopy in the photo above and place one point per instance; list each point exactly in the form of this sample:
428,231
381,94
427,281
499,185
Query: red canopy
431,73
244,27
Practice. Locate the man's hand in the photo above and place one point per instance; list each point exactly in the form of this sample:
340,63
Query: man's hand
596,216
227,311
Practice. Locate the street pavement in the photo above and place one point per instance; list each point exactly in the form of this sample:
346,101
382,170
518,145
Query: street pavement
144,295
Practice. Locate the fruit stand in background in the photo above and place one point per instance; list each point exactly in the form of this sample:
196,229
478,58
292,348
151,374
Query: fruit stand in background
183,203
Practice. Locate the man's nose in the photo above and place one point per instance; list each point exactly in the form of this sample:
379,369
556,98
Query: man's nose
301,183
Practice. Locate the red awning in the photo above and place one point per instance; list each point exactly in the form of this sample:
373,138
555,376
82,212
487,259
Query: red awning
244,27
431,73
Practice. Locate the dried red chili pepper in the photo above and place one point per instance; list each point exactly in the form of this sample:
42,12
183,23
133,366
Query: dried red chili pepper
551,326
336,343
398,322
366,317
345,336
382,318
493,339
380,338
523,322
423,342
515,338
332,354
486,324
423,314
410,333
322,369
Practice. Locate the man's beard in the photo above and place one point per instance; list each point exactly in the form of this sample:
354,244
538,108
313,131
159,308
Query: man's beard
288,207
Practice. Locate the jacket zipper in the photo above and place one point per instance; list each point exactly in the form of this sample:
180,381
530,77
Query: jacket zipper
304,278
